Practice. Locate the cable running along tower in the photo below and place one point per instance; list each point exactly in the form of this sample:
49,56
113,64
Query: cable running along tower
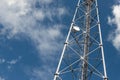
82,57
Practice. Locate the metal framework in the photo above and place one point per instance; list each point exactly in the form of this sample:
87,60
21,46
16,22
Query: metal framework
82,57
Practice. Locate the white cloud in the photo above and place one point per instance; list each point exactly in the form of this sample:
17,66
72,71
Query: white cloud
39,14
115,35
22,17
12,62
41,73
61,11
2,60
1,78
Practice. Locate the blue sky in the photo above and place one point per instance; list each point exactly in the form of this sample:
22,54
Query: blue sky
32,33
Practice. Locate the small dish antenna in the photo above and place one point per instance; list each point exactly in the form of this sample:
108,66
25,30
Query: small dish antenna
76,28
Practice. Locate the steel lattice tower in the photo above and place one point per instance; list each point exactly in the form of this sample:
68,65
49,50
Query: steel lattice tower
82,57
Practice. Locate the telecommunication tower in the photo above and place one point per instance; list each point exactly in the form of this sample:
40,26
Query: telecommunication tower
82,57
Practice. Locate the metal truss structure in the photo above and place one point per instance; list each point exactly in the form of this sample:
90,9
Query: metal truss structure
82,57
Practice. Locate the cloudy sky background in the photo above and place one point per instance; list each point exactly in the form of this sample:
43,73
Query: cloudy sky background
32,33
